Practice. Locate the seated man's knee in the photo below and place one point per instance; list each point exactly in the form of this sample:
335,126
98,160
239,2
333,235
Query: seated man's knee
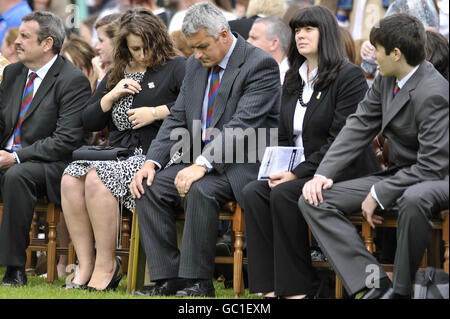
12,175
196,191
412,205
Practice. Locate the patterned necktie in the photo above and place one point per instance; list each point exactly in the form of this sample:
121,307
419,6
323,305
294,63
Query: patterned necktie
213,88
396,88
26,101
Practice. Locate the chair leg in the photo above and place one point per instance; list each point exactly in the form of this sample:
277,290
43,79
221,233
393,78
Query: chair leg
445,239
52,220
125,241
339,289
33,233
136,259
238,228
71,254
435,260
368,236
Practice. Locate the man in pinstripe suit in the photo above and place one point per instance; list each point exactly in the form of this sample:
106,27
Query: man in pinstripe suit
243,93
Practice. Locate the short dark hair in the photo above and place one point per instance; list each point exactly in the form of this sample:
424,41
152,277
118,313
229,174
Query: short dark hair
331,50
402,31
50,26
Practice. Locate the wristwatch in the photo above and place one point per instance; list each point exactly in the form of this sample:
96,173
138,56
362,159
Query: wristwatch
16,158
154,113
202,163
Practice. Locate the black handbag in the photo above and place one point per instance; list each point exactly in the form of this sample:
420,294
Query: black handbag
100,153
431,283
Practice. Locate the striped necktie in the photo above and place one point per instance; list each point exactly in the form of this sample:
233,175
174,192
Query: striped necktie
26,102
213,88
396,88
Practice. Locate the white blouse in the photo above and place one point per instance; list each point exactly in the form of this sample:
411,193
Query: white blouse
308,90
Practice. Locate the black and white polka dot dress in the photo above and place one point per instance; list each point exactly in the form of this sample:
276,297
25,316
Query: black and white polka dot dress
116,175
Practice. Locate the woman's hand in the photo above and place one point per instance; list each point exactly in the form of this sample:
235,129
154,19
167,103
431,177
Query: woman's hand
125,86
140,117
367,50
279,178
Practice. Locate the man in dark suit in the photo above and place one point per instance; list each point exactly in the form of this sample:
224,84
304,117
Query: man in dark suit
41,99
229,84
408,103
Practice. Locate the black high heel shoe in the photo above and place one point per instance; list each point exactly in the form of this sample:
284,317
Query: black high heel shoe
72,285
114,283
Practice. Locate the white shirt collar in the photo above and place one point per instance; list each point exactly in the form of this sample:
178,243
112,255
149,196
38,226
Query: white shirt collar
42,72
406,78
303,71
224,62
284,64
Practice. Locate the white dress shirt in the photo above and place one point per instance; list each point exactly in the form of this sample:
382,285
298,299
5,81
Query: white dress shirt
284,67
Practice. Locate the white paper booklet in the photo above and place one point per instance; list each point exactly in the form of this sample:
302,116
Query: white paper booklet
279,159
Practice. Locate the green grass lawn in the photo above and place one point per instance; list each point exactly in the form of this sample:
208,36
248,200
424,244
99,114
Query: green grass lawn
38,288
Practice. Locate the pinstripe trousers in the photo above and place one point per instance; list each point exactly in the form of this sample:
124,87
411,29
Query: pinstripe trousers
157,210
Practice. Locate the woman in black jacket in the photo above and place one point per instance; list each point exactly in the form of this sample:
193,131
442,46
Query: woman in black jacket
320,91
132,100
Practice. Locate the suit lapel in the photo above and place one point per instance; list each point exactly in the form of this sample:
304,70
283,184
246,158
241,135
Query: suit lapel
290,106
16,99
229,76
45,86
198,95
394,105
316,97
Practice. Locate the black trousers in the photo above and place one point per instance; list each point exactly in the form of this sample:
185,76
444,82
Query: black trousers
278,251
20,187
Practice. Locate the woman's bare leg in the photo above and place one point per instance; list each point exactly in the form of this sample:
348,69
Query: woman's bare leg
104,215
78,224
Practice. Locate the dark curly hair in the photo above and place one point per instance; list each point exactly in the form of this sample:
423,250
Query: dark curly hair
158,46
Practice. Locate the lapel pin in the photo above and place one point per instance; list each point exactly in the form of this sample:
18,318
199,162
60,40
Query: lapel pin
318,95
151,85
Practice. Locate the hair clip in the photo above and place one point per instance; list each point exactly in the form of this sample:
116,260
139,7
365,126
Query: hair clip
318,95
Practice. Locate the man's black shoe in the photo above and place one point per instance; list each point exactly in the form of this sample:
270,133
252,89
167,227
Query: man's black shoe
15,276
390,294
376,293
167,287
200,288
